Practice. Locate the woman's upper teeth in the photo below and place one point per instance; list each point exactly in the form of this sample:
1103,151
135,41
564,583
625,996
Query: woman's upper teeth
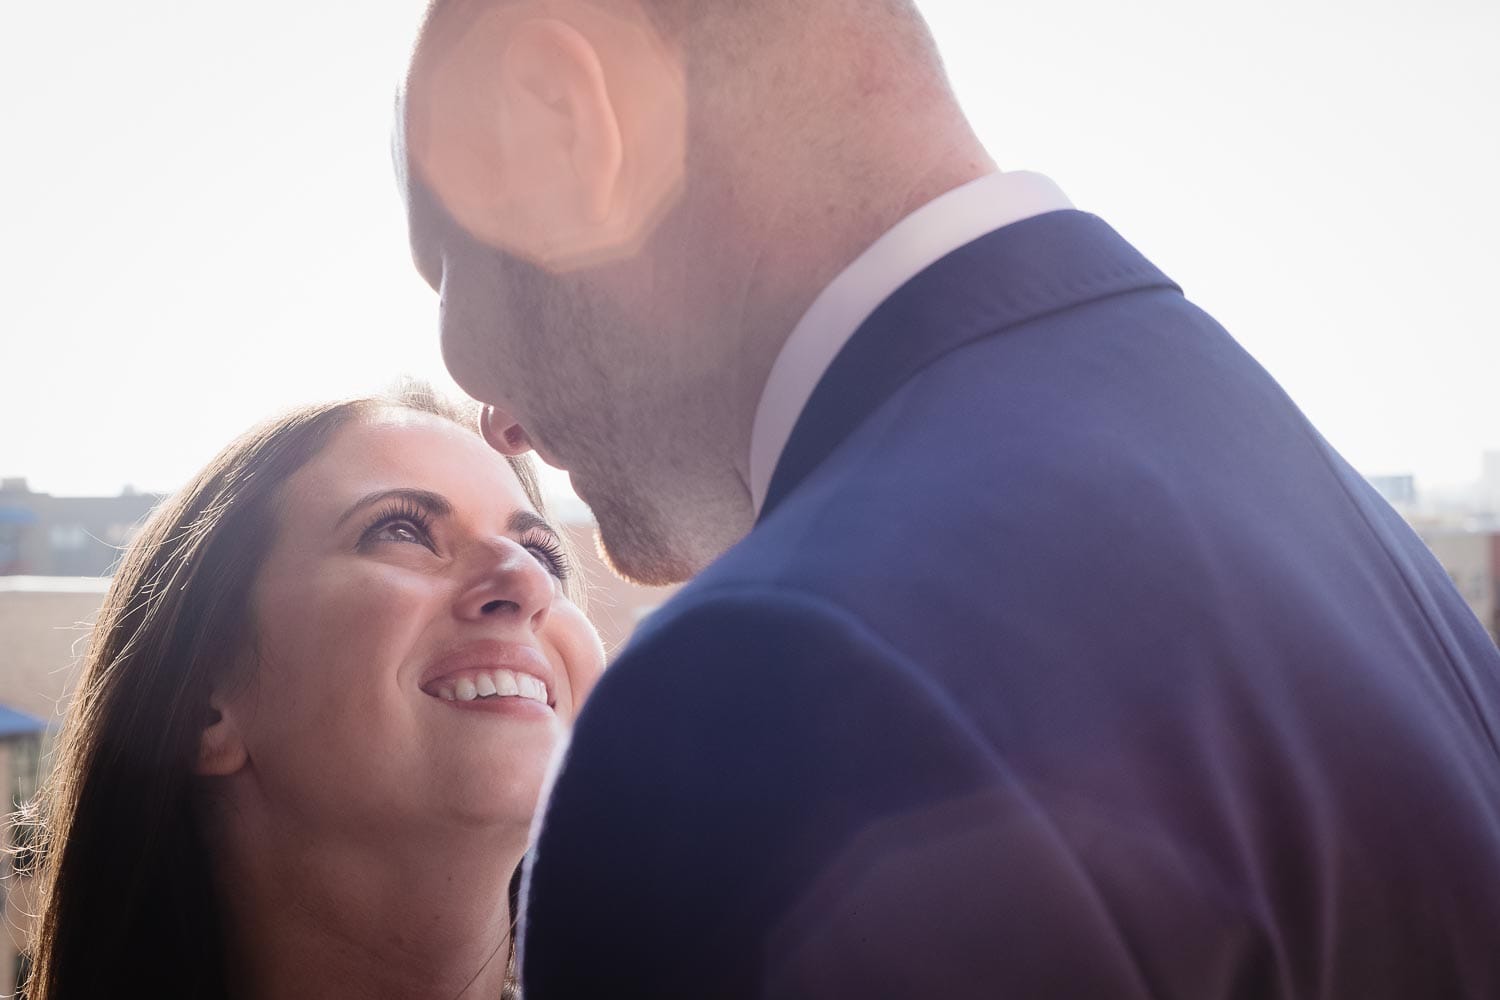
498,683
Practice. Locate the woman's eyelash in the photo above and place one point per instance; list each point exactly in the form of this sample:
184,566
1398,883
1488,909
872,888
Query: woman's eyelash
401,510
544,545
550,551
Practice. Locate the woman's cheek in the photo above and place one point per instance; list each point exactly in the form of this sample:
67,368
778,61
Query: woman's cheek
578,646
380,597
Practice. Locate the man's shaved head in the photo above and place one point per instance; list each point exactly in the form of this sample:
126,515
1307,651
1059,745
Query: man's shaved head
678,15
718,26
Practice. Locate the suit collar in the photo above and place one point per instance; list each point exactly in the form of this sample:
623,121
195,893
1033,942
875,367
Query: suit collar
1015,274
933,231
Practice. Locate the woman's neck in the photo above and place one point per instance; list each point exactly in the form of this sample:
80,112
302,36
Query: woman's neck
355,920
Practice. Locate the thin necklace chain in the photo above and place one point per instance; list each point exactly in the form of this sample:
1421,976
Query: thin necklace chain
503,939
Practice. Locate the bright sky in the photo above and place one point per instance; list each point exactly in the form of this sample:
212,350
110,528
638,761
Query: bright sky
200,224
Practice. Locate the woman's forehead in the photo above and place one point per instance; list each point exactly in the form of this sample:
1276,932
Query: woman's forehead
397,448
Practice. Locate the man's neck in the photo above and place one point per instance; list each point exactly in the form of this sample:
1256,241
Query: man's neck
764,336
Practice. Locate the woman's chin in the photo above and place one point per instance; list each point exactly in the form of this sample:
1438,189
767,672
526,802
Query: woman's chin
506,805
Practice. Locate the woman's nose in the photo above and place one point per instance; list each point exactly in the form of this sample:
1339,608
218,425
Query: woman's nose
507,582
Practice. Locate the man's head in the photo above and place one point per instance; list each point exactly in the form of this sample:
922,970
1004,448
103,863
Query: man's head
627,204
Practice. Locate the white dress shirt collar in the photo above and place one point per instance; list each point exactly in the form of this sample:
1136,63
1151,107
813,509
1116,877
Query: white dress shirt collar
922,238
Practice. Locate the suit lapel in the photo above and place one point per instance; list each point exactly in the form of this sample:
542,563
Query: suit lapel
1003,279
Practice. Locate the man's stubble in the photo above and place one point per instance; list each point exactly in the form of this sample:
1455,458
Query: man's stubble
615,405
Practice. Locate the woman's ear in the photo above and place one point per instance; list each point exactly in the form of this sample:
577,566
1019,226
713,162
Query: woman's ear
221,749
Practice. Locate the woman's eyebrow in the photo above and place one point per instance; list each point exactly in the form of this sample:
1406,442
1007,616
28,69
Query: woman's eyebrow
434,503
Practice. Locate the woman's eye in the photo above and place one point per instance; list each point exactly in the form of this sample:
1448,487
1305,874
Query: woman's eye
401,531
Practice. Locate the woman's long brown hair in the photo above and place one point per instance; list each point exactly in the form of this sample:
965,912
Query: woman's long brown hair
127,894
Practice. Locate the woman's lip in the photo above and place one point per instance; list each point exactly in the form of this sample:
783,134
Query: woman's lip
491,654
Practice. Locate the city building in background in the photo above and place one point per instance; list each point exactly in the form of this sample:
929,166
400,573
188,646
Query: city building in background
1472,558
1399,491
21,740
44,535
1489,483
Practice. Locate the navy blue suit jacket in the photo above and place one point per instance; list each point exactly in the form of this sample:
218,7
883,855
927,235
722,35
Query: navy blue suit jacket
1066,660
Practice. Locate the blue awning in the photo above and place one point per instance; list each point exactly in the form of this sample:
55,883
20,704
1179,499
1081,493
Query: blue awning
14,724
16,515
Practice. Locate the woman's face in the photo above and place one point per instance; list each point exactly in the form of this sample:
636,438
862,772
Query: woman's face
417,659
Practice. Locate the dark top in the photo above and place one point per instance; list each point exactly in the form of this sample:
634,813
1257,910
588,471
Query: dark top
1067,660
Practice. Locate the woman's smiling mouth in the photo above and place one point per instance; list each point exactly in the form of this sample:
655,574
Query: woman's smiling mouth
473,685
491,673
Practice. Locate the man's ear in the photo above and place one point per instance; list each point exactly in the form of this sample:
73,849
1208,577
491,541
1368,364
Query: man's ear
221,748
509,121
558,138
562,129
